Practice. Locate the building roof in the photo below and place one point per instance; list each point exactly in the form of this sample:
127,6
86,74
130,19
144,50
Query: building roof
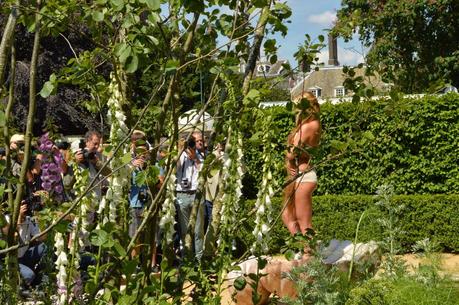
328,79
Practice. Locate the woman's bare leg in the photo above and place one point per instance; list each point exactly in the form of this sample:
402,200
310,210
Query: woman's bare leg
303,205
289,218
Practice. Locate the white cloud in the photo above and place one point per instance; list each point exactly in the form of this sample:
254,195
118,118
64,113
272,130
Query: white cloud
326,18
345,57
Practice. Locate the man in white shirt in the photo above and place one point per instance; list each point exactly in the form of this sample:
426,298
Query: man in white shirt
188,167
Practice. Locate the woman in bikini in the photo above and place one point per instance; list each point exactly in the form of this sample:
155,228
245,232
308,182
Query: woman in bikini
297,215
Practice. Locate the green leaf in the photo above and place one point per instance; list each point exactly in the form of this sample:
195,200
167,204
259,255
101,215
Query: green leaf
290,255
117,3
240,283
107,150
126,300
153,4
126,158
99,238
98,16
153,39
252,98
262,263
47,89
3,244
171,66
132,64
124,54
119,249
129,267
141,178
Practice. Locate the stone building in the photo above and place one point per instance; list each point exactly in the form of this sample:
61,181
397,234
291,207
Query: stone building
328,81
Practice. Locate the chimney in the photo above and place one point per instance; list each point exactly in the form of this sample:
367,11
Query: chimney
332,51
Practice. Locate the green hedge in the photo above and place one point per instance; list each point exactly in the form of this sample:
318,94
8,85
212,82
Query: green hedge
336,216
411,143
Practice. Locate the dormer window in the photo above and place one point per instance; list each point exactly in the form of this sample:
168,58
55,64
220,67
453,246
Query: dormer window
317,91
340,91
263,69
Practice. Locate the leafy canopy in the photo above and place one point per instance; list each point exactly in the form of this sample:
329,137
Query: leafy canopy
414,44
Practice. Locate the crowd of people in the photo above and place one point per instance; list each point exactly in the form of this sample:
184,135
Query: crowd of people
57,159
50,174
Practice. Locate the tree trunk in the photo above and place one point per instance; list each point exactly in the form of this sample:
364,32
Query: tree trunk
255,49
12,256
5,44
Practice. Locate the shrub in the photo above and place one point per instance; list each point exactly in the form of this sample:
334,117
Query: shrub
336,216
411,143
403,291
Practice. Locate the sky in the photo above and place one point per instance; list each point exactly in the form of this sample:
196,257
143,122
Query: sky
313,17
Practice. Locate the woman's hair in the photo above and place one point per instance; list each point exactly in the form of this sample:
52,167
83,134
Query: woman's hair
309,113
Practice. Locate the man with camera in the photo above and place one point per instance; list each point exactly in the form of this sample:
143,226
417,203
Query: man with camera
138,193
188,167
89,157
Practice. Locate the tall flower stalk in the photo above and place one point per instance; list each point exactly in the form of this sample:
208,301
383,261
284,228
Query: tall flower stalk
266,192
85,216
119,180
167,214
61,265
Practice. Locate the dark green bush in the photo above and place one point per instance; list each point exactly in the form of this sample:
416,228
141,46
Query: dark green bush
410,143
336,216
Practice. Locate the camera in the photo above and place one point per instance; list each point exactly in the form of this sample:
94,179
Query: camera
186,183
33,204
62,144
191,143
143,196
20,146
87,155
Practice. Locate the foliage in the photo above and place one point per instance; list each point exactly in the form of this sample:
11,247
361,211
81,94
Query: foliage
405,290
410,143
336,217
413,44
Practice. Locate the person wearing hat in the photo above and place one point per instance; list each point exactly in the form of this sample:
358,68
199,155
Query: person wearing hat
297,215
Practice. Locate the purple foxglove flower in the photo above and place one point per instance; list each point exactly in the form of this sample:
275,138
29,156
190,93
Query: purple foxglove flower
53,179
44,166
46,186
53,167
45,178
58,158
58,188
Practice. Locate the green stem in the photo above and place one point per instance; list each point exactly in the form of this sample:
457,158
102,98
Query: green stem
355,244
96,276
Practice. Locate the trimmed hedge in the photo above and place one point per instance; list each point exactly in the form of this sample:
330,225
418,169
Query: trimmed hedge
336,216
411,143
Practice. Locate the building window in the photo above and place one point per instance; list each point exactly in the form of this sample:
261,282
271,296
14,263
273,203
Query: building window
340,91
316,91
262,69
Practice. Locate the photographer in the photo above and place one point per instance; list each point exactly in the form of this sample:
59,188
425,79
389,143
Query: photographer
17,157
139,193
29,257
188,167
89,157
